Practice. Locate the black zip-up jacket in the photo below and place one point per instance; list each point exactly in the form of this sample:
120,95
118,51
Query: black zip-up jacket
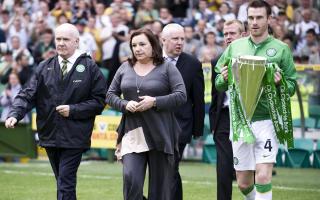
83,89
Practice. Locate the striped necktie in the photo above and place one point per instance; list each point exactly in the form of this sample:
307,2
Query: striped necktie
64,68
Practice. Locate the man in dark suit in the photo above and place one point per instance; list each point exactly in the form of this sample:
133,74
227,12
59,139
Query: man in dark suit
220,122
190,115
68,91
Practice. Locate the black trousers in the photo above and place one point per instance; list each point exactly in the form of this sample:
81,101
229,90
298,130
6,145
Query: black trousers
161,167
65,164
224,165
177,191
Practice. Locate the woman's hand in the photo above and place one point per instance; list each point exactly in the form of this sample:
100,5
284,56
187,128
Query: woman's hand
132,106
146,103
117,153
11,122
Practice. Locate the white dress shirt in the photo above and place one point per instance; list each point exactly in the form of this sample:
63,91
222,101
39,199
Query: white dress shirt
71,60
169,59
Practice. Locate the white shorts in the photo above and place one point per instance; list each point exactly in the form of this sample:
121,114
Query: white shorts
263,150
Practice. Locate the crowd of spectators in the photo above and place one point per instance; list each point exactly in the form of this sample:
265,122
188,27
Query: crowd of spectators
27,28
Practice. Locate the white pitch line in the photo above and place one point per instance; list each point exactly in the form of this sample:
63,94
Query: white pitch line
273,186
184,181
51,174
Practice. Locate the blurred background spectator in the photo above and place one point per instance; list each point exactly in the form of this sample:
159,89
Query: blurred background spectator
17,49
45,14
146,13
21,67
156,28
203,13
165,16
6,60
309,47
62,7
81,11
87,43
225,12
191,45
210,50
305,24
44,48
306,4
124,49
178,9
8,95
102,19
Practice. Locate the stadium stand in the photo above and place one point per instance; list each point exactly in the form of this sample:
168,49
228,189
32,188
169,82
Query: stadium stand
280,154
299,156
316,156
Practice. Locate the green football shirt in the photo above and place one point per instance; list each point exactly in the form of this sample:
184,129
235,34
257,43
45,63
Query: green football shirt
274,51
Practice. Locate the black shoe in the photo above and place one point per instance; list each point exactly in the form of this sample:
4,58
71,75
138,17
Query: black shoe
274,172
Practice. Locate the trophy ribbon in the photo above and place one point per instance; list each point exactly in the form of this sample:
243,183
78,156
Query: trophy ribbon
279,105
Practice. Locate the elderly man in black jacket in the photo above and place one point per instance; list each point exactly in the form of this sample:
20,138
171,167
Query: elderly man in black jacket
191,114
68,91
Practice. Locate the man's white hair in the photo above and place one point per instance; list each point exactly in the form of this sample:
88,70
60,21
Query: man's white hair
70,28
169,28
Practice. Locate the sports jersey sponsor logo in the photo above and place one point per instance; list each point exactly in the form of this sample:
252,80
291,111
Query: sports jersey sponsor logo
271,52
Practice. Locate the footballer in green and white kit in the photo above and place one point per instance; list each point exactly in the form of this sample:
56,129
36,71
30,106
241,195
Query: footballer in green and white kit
261,155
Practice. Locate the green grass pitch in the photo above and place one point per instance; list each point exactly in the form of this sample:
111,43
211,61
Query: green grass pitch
99,180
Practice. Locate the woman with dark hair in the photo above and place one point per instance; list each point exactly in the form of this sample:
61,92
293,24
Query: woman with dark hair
151,89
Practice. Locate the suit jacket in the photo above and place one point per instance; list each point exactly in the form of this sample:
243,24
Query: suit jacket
191,115
219,116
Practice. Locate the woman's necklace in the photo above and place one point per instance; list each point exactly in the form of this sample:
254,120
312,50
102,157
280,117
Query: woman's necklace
138,87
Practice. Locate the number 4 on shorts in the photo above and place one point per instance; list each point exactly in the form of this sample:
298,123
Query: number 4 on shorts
267,145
